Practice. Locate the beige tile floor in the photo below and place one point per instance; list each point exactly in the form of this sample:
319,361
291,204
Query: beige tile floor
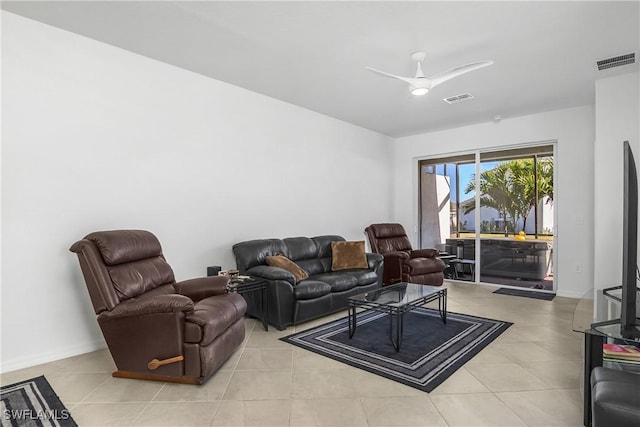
529,376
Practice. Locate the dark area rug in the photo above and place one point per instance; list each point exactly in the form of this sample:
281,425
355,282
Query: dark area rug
431,351
33,403
523,293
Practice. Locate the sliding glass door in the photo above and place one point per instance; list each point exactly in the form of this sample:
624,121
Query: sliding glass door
501,204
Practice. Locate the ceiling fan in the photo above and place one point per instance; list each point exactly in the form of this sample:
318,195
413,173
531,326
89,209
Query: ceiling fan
420,85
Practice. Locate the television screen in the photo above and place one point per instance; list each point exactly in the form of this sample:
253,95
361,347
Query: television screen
628,314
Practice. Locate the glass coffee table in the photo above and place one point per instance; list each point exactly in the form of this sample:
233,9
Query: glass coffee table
396,300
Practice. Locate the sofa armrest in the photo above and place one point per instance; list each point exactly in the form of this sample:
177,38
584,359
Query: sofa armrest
423,253
202,287
373,260
272,273
393,262
396,255
158,304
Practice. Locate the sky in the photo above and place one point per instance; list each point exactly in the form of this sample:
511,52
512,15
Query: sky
466,172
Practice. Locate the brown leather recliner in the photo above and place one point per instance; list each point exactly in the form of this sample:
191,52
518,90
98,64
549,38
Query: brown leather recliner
401,262
155,328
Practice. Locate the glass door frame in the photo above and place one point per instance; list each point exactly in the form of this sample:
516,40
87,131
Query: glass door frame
478,153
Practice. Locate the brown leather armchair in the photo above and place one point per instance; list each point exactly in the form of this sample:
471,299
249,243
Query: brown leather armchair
155,328
401,262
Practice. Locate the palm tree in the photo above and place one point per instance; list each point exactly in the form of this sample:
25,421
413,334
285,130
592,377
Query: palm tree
496,189
526,196
510,188
545,178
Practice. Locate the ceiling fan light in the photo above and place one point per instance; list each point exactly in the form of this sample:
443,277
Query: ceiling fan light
419,91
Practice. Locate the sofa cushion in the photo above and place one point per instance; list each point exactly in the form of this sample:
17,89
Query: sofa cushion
123,246
324,244
282,261
337,281
310,289
363,277
615,398
387,230
300,248
136,278
313,266
253,252
394,244
388,237
348,255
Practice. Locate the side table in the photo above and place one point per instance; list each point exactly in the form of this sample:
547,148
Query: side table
462,262
606,328
244,286
449,268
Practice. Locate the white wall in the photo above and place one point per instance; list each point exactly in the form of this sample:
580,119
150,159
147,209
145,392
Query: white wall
95,137
617,112
573,129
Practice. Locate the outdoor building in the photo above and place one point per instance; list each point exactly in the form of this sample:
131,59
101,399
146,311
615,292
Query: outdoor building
492,222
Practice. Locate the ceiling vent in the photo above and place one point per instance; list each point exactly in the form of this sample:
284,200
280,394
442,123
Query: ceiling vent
616,61
458,98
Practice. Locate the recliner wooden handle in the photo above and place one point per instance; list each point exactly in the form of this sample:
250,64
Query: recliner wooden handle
155,363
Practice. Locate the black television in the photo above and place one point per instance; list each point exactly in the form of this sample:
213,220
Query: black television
628,322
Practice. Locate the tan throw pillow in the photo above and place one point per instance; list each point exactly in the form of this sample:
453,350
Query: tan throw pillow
284,262
348,255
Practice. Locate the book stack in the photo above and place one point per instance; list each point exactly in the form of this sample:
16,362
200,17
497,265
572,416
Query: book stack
622,353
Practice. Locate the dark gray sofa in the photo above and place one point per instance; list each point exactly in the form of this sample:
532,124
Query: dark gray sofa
324,292
615,398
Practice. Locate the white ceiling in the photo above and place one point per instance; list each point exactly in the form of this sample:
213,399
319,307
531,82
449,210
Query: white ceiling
313,54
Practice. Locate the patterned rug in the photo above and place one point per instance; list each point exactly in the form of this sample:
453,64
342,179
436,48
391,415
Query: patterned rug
32,403
431,351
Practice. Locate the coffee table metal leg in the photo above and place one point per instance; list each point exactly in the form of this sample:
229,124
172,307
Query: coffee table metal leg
352,320
391,330
442,305
398,332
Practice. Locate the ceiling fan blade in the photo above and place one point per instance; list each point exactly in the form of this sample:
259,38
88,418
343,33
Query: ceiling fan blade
382,73
457,71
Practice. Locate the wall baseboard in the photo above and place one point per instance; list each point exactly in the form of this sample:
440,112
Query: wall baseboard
46,357
569,294
560,293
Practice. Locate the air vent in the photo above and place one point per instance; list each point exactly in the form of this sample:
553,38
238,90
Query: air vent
458,98
616,61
